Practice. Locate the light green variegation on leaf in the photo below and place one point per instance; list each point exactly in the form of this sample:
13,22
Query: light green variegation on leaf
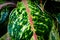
19,27
54,34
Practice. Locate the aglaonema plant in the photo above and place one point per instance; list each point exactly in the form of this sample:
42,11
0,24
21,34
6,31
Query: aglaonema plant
29,21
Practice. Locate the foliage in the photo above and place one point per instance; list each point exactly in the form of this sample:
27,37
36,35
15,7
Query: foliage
43,27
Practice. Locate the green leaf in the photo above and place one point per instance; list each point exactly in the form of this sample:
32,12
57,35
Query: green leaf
19,27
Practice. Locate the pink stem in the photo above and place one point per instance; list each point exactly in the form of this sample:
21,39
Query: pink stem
41,1
26,5
7,3
30,19
35,36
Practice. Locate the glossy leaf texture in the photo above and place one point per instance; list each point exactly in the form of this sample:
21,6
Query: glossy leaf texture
19,27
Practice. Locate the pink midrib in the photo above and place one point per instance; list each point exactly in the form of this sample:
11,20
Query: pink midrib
30,19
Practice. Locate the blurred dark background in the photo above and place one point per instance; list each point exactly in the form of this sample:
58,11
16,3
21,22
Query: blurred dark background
53,7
